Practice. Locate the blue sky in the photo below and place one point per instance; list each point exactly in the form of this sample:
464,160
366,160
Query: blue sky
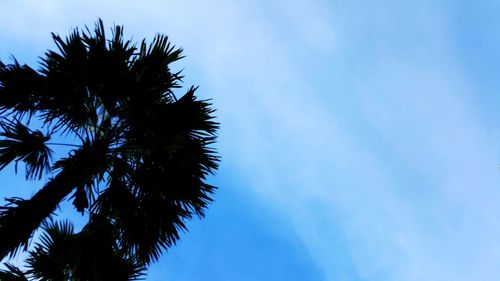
359,139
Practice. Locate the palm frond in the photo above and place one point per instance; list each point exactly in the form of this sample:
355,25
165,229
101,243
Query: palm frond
109,73
91,254
150,206
190,113
67,101
12,273
47,261
154,78
153,225
20,143
170,157
20,88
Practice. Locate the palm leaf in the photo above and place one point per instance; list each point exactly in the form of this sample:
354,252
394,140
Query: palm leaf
91,254
12,273
22,144
47,261
154,78
20,88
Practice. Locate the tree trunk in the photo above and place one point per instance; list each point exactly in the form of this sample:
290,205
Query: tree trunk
19,221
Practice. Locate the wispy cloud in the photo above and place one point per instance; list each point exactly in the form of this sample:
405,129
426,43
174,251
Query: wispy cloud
353,120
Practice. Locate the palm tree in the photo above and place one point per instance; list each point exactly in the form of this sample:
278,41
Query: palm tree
138,156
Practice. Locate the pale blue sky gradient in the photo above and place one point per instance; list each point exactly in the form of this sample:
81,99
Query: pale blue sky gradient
359,139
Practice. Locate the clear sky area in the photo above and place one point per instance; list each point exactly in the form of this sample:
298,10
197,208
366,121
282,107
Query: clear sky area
360,140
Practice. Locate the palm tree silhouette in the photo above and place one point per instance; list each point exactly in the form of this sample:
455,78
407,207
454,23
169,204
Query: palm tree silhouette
138,156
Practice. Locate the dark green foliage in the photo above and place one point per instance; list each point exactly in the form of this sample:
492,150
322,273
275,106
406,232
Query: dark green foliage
138,166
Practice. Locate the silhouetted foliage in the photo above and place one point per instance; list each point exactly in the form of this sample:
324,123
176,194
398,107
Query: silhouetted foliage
137,167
